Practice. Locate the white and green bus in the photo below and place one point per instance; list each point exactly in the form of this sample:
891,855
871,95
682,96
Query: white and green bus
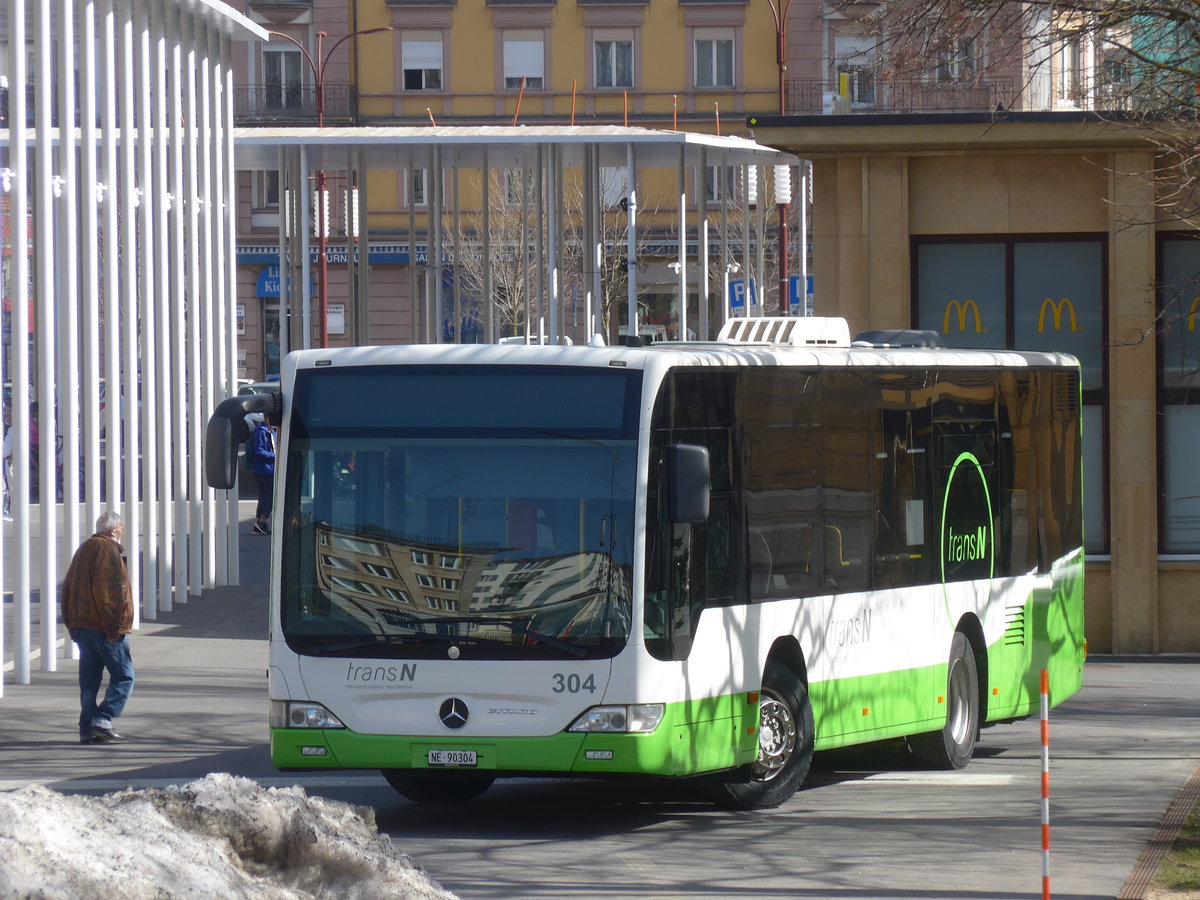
682,560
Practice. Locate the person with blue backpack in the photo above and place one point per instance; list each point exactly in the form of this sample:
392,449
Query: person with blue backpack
260,451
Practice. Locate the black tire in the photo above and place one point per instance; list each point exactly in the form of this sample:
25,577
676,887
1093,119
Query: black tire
785,745
437,787
953,745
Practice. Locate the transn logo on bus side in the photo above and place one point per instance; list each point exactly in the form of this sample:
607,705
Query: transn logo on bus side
966,547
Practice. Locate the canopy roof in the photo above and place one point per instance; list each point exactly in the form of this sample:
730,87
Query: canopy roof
390,147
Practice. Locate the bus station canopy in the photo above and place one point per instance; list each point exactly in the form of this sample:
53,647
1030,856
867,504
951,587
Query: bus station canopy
391,147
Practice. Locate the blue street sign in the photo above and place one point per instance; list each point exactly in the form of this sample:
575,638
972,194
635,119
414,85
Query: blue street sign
737,294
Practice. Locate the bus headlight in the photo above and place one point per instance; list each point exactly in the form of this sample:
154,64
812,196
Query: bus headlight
293,714
636,718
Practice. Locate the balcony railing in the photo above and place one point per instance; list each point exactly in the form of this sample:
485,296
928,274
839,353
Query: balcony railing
816,96
258,104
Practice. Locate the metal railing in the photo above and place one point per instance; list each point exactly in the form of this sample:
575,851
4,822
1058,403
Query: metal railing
813,96
293,104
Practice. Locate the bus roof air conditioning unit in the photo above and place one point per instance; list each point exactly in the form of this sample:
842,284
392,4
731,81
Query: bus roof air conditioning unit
802,331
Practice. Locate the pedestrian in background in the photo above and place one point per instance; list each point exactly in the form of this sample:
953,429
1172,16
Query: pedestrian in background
97,608
263,467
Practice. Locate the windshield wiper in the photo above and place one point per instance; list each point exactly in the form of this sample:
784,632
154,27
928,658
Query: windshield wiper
558,643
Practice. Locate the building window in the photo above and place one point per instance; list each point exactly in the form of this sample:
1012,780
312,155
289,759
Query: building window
714,58
398,595
1179,391
518,184
1028,294
524,58
282,86
614,187
271,187
957,63
421,57
415,182
720,183
613,53
855,66
1069,58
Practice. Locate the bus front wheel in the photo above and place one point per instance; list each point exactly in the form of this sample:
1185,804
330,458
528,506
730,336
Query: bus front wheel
785,745
953,746
437,787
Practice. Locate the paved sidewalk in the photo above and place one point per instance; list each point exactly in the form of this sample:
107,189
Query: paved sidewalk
200,697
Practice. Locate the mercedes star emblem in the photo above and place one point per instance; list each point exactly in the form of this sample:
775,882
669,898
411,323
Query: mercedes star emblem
453,713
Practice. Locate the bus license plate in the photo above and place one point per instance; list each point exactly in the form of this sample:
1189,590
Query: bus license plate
452,758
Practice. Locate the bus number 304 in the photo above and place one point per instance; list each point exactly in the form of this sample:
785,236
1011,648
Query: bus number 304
573,684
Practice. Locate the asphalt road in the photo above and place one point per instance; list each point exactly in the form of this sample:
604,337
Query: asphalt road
867,826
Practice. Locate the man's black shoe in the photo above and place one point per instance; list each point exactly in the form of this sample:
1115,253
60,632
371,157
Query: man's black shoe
86,739
105,736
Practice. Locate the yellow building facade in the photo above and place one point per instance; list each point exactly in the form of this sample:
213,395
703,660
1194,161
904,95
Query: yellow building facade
697,66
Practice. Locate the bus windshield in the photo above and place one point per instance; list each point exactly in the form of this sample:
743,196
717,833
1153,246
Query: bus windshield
467,511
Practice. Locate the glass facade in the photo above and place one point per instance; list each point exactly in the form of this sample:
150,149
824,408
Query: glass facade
1028,293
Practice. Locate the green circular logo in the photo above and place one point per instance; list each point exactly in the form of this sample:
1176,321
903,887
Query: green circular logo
968,549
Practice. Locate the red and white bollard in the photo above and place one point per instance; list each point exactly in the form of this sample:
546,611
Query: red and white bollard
1045,705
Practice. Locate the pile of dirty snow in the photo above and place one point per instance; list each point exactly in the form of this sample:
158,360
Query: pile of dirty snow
218,837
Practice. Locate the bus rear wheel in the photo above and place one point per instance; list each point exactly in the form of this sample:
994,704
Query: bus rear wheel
953,746
437,787
785,745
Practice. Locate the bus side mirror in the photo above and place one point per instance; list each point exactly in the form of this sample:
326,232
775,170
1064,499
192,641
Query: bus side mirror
689,489
225,434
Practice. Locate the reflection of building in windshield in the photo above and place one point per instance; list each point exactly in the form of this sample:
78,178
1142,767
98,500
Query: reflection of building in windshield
392,584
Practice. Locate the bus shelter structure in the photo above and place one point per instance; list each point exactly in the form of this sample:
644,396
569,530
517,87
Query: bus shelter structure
116,249
544,160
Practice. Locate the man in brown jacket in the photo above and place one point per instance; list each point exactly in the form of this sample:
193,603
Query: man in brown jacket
97,608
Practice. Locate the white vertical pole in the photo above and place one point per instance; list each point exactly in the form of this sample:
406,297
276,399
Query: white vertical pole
207,192
682,314
181,412
45,339
90,269
284,174
303,201
228,256
68,279
165,411
20,342
749,184
803,204
539,242
125,390
195,316
112,61
217,283
631,240
552,174
596,245
141,376
487,249
725,260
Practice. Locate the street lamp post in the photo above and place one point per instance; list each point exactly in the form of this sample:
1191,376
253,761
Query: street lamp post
779,11
317,67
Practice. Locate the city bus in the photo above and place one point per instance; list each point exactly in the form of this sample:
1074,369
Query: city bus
700,560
